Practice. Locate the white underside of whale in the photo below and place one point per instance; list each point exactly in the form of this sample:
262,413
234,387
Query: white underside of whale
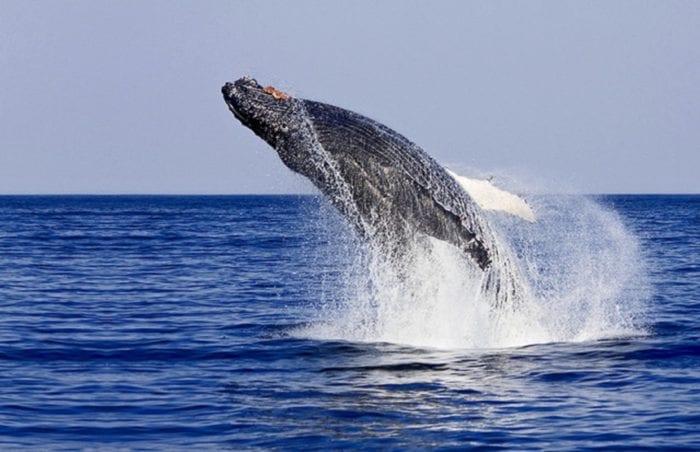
489,197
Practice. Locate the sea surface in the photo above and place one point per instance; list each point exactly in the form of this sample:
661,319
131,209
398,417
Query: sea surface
172,322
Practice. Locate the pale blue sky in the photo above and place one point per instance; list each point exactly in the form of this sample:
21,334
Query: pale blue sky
124,97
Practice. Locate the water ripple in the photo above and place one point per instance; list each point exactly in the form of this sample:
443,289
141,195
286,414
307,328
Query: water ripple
168,323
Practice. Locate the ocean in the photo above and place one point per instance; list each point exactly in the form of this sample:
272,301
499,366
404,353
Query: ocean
258,322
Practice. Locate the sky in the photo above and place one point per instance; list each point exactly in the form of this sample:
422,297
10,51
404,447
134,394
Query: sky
124,97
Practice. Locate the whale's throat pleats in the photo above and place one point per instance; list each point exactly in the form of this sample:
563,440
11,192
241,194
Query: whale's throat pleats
386,182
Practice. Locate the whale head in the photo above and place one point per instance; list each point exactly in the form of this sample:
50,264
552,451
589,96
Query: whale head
267,111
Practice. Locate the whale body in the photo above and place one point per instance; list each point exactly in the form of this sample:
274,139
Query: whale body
387,187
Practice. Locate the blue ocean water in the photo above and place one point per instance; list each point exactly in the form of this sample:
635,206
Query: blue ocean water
165,322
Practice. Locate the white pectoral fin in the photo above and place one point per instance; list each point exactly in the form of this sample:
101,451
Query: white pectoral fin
490,197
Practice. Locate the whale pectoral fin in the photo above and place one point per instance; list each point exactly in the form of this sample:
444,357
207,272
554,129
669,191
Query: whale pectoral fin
489,197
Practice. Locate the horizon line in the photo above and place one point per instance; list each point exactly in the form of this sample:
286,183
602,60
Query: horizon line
321,195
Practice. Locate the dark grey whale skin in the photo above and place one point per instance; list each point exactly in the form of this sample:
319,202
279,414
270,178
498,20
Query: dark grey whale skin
385,185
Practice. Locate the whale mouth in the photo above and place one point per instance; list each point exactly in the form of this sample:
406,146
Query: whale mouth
243,95
234,95
264,110
237,114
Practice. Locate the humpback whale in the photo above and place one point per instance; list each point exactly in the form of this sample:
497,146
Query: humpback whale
387,187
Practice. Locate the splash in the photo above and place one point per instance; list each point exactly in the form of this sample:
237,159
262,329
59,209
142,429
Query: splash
583,273
574,275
